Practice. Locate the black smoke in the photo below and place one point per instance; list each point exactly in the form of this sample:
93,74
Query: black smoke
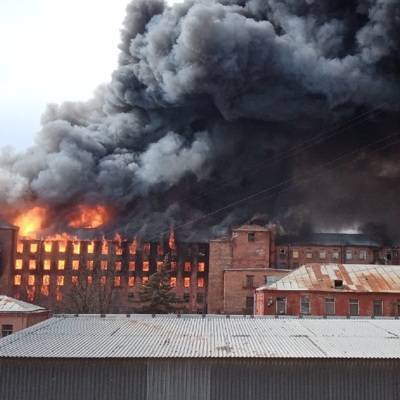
215,100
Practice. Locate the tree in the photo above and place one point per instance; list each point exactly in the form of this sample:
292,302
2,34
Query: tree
157,293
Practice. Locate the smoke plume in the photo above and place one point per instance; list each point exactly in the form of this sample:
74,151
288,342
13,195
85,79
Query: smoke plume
214,101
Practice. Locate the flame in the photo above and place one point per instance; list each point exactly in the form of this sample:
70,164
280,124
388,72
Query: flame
171,241
87,217
48,245
31,221
118,244
133,247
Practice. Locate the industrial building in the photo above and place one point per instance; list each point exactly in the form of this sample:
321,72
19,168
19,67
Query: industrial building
202,358
333,289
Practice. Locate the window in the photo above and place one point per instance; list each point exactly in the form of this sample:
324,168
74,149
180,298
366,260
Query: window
17,280
75,265
188,266
6,330
305,306
173,265
132,266
132,248
31,280
363,254
353,307
186,297
44,290
62,246
186,282
159,265
76,247
146,265
90,280
74,280
200,282
117,281
20,247
46,280
103,280
90,248
249,281
201,267
335,255
61,265
378,308
18,264
48,246
251,237
146,248
32,264
89,265
269,280
330,306
200,298
295,254
145,280
104,248
118,265
34,247
282,253
131,281
172,281
60,280
349,255
103,265
309,254
322,255
281,305
249,302
47,265
118,250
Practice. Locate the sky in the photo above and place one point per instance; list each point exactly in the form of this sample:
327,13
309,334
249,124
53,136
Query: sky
52,51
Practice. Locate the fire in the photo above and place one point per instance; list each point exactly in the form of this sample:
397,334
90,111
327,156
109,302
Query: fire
31,222
171,241
87,217
133,247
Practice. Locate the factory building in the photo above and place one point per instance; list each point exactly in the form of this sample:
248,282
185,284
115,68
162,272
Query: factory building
202,358
333,289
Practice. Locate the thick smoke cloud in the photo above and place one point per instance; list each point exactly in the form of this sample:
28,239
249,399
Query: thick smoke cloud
207,98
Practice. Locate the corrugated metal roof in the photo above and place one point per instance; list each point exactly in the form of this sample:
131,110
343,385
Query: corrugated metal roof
329,239
142,336
356,278
9,304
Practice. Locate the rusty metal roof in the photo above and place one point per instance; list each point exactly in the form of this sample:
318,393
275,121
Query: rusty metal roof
194,336
356,278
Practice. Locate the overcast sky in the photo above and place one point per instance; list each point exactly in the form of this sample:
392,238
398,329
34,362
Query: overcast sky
52,51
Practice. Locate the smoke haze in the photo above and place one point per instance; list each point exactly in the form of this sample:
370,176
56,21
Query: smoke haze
208,99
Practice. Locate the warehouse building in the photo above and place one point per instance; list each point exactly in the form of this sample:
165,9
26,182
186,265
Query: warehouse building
202,357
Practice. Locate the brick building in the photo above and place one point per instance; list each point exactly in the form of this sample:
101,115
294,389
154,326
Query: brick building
333,289
16,315
239,264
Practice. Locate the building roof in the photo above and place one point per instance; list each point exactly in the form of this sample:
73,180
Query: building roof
253,228
5,225
329,239
356,278
141,336
11,305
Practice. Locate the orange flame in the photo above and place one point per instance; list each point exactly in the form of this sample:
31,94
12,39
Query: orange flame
133,247
87,217
171,241
31,221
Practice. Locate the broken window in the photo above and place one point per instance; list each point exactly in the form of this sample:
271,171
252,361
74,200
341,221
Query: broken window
61,265
353,307
378,308
146,248
160,264
60,280
32,264
103,280
145,280
62,246
47,265
173,281
90,265
330,306
186,282
251,237
131,281
75,265
17,280
132,266
118,250
20,247
173,265
104,265
104,248
31,280
117,281
132,248
48,246
34,247
90,280
201,267
118,266
18,264
74,280
200,282
46,280
281,305
146,266
305,305
188,266
76,247
90,248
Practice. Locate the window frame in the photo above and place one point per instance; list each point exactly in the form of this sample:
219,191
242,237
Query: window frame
332,301
302,298
353,302
278,302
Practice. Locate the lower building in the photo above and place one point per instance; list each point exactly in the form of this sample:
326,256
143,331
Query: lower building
333,289
16,315
202,358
